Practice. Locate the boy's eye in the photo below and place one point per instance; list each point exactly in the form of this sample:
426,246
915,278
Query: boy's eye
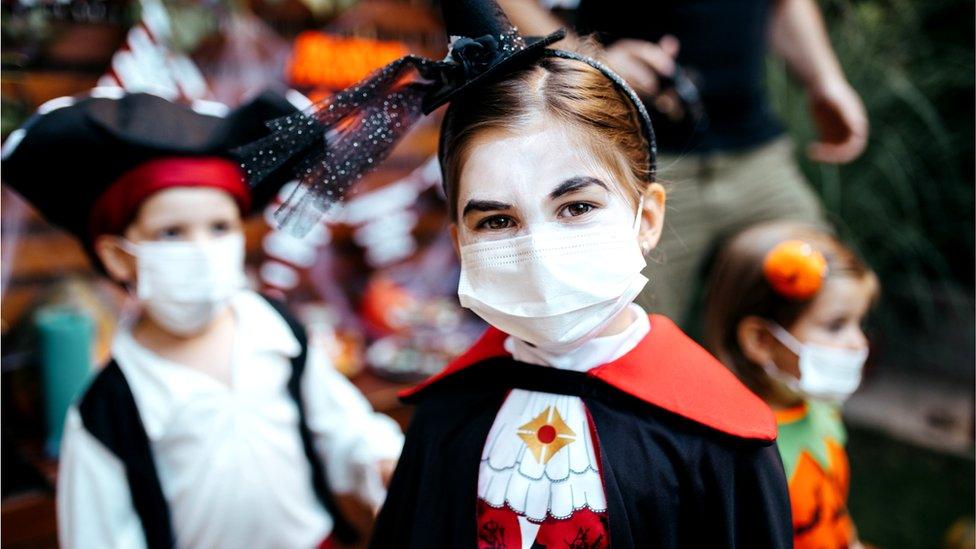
576,209
220,227
496,223
169,233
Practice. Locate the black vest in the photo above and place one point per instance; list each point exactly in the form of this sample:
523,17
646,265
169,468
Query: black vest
108,411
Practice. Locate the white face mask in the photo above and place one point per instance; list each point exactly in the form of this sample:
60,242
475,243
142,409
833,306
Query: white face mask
556,287
185,285
826,373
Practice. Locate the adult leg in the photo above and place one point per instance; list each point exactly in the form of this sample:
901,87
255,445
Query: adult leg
765,184
688,233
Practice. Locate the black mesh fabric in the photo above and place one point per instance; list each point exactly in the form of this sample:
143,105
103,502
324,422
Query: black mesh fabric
336,141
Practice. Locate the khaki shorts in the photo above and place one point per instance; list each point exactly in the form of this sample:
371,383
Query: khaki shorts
710,197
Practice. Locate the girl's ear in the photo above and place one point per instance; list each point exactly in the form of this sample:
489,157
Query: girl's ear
754,339
454,239
118,263
652,217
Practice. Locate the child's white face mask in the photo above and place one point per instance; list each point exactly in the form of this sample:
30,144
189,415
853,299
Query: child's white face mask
185,285
826,373
557,286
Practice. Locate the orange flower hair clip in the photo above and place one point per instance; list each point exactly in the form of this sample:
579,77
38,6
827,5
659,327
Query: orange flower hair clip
795,269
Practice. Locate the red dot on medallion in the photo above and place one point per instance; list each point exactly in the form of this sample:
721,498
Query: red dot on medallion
546,434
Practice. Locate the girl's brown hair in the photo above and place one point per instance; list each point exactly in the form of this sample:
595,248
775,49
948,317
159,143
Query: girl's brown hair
563,90
738,289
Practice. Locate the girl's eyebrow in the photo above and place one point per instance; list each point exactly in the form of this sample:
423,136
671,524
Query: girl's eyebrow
484,206
574,184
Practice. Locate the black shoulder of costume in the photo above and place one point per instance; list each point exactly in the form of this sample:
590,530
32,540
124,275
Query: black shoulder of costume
670,482
342,528
109,412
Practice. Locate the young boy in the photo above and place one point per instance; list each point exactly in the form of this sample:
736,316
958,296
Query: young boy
215,424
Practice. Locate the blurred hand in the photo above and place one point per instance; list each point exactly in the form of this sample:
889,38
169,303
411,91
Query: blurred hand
376,494
640,62
386,468
841,121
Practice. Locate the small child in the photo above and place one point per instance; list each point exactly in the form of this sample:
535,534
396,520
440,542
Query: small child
784,312
215,424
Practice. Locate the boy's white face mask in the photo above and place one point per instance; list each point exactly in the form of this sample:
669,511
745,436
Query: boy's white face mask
826,373
185,285
556,287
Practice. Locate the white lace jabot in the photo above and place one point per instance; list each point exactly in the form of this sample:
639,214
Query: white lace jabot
539,458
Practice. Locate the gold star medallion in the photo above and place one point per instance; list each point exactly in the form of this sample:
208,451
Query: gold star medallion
546,434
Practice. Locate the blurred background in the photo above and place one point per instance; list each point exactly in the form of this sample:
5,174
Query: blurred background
907,204
377,283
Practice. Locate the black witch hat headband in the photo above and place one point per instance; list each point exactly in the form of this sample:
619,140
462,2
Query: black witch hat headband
336,141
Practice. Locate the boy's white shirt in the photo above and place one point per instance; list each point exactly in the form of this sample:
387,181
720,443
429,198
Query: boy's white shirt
229,457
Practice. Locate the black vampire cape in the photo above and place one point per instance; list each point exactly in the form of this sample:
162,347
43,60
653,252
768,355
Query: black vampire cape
688,454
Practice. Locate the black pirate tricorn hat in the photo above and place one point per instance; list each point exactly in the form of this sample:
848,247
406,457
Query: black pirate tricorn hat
74,150
343,137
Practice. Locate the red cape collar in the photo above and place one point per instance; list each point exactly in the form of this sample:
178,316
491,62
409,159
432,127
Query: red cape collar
666,369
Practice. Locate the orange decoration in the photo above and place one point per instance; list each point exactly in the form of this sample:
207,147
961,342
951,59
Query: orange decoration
384,305
321,60
795,270
818,501
546,435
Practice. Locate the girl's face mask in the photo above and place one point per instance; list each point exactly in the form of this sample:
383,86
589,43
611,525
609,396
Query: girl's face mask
184,285
556,287
549,247
826,373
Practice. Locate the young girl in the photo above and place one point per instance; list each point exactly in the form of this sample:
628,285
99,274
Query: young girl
215,424
784,312
577,420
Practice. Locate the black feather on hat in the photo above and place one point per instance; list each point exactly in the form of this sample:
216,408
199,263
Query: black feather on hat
68,154
483,44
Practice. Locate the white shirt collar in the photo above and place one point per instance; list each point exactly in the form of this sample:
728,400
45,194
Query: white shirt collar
597,351
257,322
263,327
158,385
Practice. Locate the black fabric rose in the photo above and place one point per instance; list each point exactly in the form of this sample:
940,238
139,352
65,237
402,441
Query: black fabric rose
475,56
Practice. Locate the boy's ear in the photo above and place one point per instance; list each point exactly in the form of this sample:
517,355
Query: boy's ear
755,340
118,263
652,217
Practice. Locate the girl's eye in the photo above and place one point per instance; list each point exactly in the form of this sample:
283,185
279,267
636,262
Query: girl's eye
496,223
837,325
576,209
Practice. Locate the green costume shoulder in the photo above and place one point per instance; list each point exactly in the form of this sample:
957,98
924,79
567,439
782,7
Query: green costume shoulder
808,431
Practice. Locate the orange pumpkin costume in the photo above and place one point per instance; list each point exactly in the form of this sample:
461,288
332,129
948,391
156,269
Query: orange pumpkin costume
811,443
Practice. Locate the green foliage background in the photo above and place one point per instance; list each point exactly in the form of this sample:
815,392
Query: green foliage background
907,203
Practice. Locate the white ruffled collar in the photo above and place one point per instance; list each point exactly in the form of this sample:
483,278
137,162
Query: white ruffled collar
593,353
